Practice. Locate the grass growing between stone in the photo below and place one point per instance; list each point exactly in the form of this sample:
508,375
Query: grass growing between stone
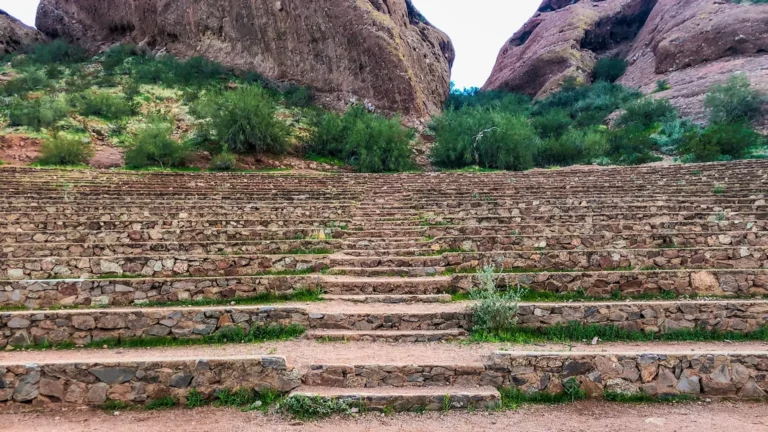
247,399
578,332
641,397
165,402
227,335
513,398
304,407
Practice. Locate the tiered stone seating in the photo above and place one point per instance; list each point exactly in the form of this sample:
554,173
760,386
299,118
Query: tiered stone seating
87,256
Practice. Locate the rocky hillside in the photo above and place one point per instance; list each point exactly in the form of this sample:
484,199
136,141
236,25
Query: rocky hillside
383,53
14,35
690,43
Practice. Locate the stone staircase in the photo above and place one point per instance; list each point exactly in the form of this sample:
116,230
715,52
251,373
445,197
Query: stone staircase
91,257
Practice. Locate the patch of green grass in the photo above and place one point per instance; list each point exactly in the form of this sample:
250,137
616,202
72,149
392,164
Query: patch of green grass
226,335
578,332
114,405
645,398
513,398
247,399
718,190
165,402
473,169
305,408
195,399
314,251
327,160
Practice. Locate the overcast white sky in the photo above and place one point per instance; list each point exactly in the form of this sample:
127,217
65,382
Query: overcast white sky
478,30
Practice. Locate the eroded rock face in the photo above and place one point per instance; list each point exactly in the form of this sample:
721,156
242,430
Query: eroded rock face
15,36
380,51
691,43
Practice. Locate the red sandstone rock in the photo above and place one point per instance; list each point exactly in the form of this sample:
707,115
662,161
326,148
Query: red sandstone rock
14,35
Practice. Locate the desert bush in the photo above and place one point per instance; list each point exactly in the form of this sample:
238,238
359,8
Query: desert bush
38,113
197,71
116,56
573,147
63,150
244,121
495,99
553,123
647,112
310,408
102,104
31,80
662,85
496,310
223,162
298,96
488,139
631,145
672,135
588,105
609,69
720,141
367,141
735,101
153,145
58,51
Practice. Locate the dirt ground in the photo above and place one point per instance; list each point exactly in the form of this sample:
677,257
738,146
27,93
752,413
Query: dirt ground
589,416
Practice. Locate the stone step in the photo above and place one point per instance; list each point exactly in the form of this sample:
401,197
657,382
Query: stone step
387,335
410,399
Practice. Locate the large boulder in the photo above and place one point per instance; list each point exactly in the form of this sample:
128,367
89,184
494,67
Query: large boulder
382,52
691,43
15,36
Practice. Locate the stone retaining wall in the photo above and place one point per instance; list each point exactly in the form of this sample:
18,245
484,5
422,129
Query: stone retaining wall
371,376
82,327
138,382
603,284
700,375
158,266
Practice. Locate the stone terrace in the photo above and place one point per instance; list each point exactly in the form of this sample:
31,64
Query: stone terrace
95,255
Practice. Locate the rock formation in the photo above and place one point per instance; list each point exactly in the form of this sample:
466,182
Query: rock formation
382,52
691,43
15,36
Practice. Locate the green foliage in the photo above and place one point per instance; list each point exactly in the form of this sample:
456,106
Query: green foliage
102,104
575,146
495,99
153,146
609,69
631,146
311,408
496,311
647,113
244,121
38,113
553,123
194,399
734,101
672,135
223,162
721,142
111,405
58,51
298,96
116,56
64,150
367,141
165,402
31,80
513,397
662,85
588,105
197,70
488,139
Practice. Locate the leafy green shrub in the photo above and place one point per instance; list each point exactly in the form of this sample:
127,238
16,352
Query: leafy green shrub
609,69
575,146
154,146
309,408
197,70
58,51
31,80
298,96
37,113
165,402
154,70
672,135
553,123
194,399
116,56
588,105
63,150
367,141
102,104
647,112
54,72
223,162
244,121
496,311
721,141
488,139
631,145
662,85
78,82
495,99
734,101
